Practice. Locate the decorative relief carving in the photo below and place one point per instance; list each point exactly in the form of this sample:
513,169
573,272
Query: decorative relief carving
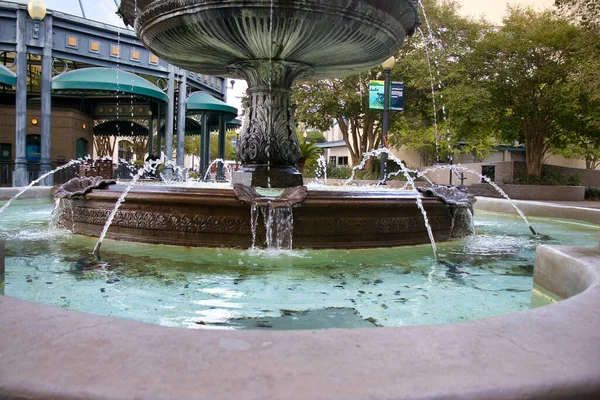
163,222
269,137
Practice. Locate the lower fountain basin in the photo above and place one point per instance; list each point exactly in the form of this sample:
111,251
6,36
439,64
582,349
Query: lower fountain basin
202,217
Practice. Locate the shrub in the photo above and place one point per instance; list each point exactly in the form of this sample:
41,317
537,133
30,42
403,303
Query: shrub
549,177
592,193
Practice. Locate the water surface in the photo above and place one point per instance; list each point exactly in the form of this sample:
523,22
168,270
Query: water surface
487,274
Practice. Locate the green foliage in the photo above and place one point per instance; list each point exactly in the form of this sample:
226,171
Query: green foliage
315,137
526,67
192,145
592,193
586,12
462,104
345,101
549,177
309,154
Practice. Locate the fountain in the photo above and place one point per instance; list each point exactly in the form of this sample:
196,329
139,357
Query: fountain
48,352
270,44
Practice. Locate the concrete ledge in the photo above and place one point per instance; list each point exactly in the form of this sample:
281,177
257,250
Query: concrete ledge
544,192
33,192
540,209
551,352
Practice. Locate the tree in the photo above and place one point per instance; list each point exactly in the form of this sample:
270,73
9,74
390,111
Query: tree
192,145
447,110
526,66
586,12
345,101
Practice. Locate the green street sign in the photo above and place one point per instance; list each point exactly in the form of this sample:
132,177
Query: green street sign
376,95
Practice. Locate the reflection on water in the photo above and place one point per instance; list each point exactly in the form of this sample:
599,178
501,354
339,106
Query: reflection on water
487,274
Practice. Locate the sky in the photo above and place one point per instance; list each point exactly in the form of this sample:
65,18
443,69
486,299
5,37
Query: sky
493,10
105,11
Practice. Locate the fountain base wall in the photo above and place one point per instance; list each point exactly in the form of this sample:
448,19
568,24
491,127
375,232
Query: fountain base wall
216,218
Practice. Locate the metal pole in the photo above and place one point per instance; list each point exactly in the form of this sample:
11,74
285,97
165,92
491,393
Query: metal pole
81,6
20,174
221,155
169,124
158,134
205,146
182,97
46,132
151,134
384,128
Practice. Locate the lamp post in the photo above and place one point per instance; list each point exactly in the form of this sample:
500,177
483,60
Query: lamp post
387,67
37,12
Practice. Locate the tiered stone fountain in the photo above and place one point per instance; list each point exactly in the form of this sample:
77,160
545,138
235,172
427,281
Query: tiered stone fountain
269,43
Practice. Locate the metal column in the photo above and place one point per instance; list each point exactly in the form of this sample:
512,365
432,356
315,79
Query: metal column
181,118
46,135
204,147
20,174
169,124
221,150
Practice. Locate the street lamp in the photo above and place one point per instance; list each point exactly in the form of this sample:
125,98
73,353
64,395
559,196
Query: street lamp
37,11
387,67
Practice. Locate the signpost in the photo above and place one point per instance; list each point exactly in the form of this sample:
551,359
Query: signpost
386,96
377,95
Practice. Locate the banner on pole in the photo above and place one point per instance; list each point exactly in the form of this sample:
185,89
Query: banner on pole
376,95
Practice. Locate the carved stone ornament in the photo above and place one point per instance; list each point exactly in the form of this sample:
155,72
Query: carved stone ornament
80,186
453,195
287,199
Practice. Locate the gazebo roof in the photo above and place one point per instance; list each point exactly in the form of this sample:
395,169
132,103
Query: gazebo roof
192,127
7,77
98,80
120,128
201,102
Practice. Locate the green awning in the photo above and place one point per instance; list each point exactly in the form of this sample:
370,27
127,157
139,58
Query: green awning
7,77
97,81
120,128
201,102
192,127
234,123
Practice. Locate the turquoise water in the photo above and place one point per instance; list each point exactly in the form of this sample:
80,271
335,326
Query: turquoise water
239,289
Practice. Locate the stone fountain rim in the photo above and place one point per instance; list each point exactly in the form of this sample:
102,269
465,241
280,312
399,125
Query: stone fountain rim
544,353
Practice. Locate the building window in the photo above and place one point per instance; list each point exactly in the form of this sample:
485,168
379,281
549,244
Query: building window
94,46
72,42
115,51
135,55
333,161
153,59
81,148
33,148
342,160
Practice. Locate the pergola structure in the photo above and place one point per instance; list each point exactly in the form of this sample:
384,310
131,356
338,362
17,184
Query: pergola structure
201,103
39,51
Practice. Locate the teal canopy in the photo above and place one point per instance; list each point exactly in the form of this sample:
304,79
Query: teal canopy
120,128
7,77
192,127
201,102
99,80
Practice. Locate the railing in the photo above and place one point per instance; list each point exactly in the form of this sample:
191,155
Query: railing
33,169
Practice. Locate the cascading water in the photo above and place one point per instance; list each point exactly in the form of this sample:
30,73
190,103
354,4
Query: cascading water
409,179
321,170
109,220
488,180
38,180
216,161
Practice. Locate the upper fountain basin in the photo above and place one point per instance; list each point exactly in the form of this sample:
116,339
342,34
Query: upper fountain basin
330,37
